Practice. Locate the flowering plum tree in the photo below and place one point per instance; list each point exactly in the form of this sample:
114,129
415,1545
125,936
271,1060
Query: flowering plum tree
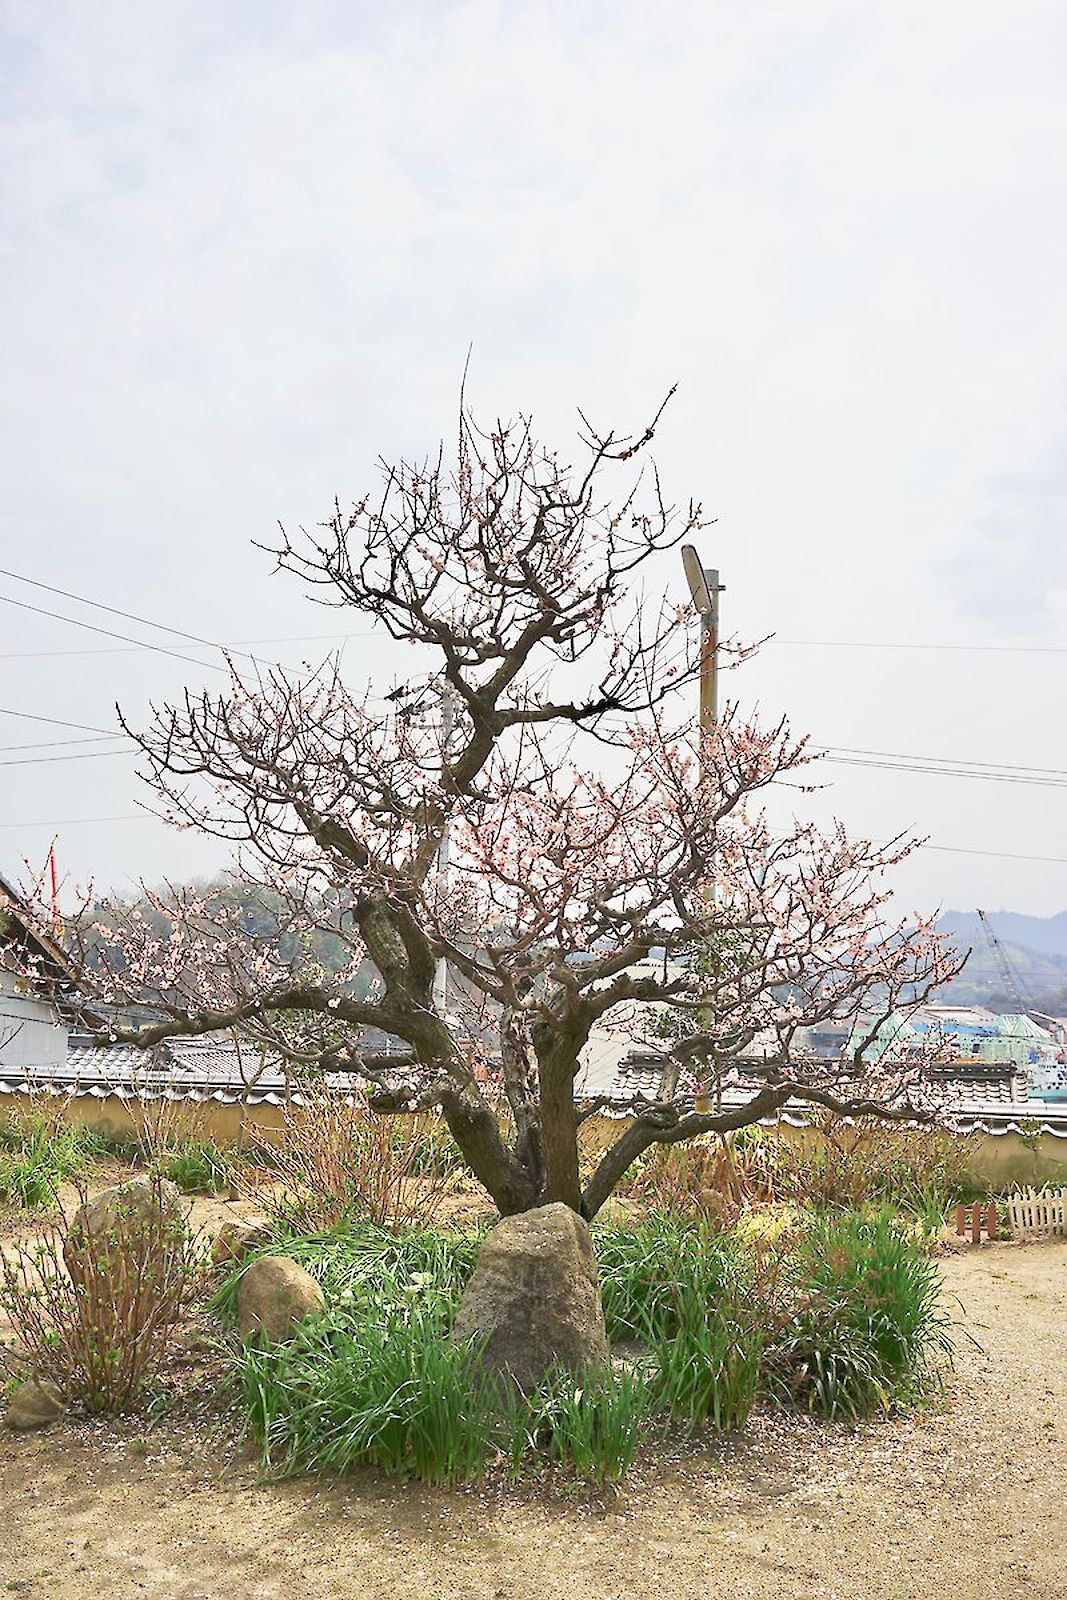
544,734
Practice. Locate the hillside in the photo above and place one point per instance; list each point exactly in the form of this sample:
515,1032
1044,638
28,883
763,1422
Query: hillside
1036,950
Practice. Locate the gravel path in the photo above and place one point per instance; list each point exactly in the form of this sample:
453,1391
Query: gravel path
964,1502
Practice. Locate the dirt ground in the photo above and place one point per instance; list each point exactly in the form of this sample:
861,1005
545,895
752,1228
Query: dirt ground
964,1501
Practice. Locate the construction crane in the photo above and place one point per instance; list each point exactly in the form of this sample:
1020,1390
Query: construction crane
1003,965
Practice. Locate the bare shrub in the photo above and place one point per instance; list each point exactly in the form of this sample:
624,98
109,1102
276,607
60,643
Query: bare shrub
850,1163
714,1179
166,1125
102,1334
336,1162
841,1163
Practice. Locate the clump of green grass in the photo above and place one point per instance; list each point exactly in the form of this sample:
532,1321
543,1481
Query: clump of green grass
826,1370
709,1371
397,1393
840,1317
645,1265
699,1301
39,1151
367,1269
379,1381
591,1428
394,1393
869,1329
198,1167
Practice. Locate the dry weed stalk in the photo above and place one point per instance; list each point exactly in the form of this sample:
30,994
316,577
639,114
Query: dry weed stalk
336,1161
167,1125
715,1180
850,1163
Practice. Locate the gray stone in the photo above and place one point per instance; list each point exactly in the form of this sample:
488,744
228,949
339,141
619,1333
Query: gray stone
238,1236
34,1403
276,1294
534,1297
125,1223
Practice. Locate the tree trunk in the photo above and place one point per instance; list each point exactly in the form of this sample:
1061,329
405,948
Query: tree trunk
559,1123
474,1127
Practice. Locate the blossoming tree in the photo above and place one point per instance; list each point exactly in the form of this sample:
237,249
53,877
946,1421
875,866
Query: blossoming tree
534,807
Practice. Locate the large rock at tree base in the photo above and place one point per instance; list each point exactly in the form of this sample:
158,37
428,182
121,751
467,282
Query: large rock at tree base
34,1403
124,1224
238,1237
274,1295
534,1297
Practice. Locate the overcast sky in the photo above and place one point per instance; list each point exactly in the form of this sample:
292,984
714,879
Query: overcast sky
245,248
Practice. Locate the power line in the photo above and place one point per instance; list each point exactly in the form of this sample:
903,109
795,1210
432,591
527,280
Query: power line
877,760
944,766
948,772
990,772
82,755
77,822
53,744
1002,855
223,644
149,622
955,761
56,722
109,633
85,727
114,611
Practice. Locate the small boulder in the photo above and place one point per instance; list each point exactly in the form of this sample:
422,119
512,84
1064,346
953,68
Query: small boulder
34,1403
534,1297
126,1223
274,1295
238,1236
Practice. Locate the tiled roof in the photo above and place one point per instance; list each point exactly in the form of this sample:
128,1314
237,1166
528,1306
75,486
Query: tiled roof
127,1080
209,1069
991,1099
216,1068
112,1061
975,1117
637,1078
1003,1089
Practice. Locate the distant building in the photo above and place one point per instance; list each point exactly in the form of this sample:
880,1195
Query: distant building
33,971
49,1045
1056,1026
974,1047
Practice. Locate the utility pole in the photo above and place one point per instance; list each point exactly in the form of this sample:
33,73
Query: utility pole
448,722
705,588
57,925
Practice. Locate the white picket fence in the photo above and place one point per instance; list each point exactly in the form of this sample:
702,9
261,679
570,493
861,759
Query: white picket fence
1033,1211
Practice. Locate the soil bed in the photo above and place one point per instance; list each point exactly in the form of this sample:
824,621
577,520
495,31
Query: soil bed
963,1499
